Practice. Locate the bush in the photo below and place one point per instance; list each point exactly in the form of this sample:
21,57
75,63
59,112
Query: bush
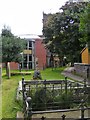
64,101
44,99
41,99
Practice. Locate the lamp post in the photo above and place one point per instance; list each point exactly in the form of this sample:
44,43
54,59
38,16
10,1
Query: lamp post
64,60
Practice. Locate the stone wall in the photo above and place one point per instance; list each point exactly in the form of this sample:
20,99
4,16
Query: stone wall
82,69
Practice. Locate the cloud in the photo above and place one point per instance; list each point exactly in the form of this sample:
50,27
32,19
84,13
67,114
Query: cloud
25,16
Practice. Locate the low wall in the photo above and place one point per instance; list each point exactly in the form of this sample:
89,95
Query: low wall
82,69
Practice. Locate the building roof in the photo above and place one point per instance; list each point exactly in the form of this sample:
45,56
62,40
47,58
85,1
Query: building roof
29,36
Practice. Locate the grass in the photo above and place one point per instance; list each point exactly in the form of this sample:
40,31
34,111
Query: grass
9,104
0,102
50,74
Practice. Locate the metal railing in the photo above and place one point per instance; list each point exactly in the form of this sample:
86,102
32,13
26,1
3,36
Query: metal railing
63,85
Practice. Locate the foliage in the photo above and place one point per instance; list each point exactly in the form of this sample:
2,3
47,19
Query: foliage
62,31
12,46
85,25
64,101
41,98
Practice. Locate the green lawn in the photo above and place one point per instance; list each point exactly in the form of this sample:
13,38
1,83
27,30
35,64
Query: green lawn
9,104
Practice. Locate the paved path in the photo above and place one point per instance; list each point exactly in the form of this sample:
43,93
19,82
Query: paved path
68,72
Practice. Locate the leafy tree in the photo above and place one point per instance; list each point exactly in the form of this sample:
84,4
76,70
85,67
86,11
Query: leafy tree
85,25
62,31
12,46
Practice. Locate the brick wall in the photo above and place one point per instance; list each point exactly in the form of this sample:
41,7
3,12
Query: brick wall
40,53
13,65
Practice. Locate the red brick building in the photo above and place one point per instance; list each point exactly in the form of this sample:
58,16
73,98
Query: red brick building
34,52
40,53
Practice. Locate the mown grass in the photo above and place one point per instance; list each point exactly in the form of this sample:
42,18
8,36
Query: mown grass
10,105
50,74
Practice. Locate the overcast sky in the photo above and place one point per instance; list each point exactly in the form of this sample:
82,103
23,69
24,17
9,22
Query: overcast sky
25,16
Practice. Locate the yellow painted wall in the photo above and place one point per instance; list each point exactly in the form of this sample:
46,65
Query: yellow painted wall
85,56
88,58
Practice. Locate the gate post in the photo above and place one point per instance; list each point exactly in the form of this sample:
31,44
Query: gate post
43,118
82,109
29,108
63,117
66,85
45,93
23,90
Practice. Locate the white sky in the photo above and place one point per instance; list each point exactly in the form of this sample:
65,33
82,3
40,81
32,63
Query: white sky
25,16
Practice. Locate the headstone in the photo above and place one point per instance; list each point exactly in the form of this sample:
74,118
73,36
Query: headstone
8,69
37,75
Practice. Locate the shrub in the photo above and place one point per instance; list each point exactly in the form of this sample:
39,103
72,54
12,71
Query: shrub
64,101
41,99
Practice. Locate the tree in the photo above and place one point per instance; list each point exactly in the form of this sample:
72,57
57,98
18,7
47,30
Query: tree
12,46
85,25
62,31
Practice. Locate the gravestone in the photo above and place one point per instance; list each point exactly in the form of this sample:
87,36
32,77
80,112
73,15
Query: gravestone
37,75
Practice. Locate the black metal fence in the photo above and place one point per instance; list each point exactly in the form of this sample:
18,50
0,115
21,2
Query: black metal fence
40,96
